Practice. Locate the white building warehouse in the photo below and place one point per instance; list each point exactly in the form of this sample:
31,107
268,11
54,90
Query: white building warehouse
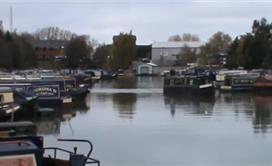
164,53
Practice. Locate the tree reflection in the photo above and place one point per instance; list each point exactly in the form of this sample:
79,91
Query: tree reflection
125,103
125,82
200,105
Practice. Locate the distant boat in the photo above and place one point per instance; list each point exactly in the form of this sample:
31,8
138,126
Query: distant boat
238,83
223,74
188,85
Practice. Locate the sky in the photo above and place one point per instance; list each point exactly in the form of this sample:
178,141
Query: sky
149,20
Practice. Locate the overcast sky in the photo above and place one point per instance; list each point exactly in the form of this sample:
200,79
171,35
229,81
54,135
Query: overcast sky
149,20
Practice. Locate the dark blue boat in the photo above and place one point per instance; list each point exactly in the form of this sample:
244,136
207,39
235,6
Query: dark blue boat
29,150
188,85
48,94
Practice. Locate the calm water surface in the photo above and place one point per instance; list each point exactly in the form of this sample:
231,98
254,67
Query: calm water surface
131,122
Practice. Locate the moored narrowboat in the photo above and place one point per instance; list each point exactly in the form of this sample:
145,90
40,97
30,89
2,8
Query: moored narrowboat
30,150
238,83
188,85
263,84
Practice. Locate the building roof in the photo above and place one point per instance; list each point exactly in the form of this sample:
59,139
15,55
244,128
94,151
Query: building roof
179,44
148,64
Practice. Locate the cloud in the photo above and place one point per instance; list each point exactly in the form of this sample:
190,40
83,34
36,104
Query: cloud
150,20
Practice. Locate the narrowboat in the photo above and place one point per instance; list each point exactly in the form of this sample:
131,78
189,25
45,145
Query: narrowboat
30,150
7,104
238,83
188,85
60,87
263,84
220,79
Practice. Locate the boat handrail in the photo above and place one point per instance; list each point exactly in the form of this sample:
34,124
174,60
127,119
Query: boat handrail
88,159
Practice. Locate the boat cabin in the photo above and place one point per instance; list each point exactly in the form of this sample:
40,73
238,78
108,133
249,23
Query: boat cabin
6,95
238,83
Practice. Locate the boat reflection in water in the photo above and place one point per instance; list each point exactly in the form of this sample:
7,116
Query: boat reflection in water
197,105
256,108
262,117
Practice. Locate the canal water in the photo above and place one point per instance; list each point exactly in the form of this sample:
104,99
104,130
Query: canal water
131,122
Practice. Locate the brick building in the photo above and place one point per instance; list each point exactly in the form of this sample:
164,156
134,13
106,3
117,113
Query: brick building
49,49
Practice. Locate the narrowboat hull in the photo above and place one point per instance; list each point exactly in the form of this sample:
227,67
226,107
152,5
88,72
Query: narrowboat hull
209,91
263,86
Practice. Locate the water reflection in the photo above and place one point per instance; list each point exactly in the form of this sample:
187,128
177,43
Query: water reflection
262,117
256,108
125,82
125,104
242,103
149,82
82,105
47,126
198,105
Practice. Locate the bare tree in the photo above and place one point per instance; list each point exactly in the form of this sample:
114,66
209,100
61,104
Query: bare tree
53,33
185,37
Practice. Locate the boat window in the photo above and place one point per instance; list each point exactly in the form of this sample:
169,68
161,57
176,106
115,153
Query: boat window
191,81
167,81
228,81
201,81
187,81
1,98
179,81
243,81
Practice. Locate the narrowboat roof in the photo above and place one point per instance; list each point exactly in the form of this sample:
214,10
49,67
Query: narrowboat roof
5,89
189,76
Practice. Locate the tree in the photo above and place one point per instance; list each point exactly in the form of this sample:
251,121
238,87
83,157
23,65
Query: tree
15,52
217,45
175,38
53,33
202,59
186,55
185,37
123,50
253,50
77,51
102,53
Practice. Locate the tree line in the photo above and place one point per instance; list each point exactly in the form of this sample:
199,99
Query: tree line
17,52
250,50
